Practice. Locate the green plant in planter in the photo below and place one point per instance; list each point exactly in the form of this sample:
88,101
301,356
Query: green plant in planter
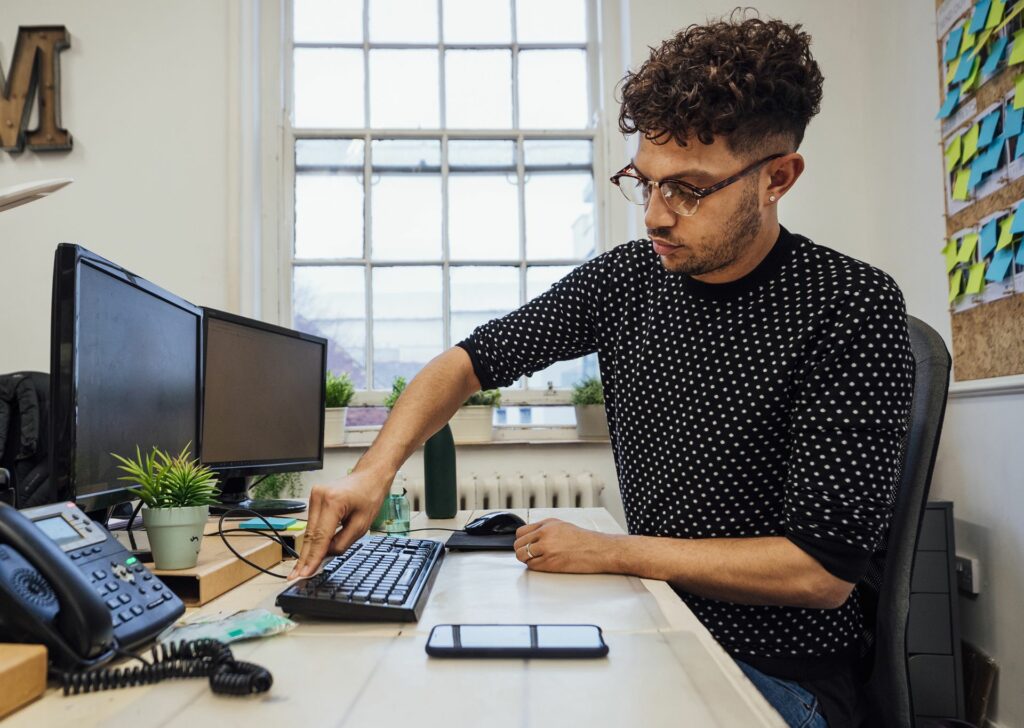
339,389
397,387
163,481
278,485
485,397
589,391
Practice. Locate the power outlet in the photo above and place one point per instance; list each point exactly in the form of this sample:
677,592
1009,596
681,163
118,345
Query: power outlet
968,574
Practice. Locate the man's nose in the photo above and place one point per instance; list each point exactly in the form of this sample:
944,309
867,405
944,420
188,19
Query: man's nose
658,214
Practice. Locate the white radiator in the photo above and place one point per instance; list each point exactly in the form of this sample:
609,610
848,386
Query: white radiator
502,491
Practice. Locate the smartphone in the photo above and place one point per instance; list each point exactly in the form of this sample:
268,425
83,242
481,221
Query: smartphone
516,640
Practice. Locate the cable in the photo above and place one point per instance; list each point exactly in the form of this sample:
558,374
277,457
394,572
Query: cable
273,536
453,530
199,658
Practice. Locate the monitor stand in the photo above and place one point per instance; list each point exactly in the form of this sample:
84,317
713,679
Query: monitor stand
234,494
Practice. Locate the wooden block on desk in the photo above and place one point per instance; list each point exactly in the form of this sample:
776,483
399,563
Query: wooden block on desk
23,675
218,569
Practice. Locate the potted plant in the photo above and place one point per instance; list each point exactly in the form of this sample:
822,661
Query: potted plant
397,387
591,419
474,420
339,391
177,492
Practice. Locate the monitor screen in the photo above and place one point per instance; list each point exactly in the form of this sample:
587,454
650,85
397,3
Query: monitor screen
263,399
126,375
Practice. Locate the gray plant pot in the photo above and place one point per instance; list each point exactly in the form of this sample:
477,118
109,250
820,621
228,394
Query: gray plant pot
175,535
591,422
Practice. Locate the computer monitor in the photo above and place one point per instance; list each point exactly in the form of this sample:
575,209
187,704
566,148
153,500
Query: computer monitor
124,367
262,405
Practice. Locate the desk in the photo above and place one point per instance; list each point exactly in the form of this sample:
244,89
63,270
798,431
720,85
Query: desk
663,667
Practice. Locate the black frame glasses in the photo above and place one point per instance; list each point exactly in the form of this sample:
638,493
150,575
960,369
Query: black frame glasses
681,197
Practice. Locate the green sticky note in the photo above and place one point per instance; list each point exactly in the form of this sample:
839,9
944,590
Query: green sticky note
960,185
1017,52
1018,94
970,145
954,284
972,76
967,41
1005,232
950,252
953,154
967,246
976,280
995,14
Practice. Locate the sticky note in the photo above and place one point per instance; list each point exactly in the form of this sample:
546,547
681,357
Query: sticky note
988,129
1018,220
982,40
1020,255
967,245
994,56
963,68
995,14
1005,232
967,41
1013,14
999,266
953,154
960,184
977,172
970,147
972,77
949,104
1013,122
976,279
953,44
980,16
954,284
987,241
990,159
1017,52
1018,93
950,252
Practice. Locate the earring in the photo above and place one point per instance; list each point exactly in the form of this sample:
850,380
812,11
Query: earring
771,198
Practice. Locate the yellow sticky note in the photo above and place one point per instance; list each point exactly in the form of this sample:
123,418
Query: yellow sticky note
960,184
954,284
967,246
972,78
1017,52
967,41
950,252
1018,94
953,154
1005,234
976,279
970,145
995,14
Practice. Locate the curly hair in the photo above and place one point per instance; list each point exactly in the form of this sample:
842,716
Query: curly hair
751,81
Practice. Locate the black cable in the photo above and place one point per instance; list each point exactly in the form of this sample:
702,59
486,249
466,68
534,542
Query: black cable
199,658
453,530
273,536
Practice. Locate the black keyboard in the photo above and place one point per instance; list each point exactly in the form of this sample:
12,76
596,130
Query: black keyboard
378,578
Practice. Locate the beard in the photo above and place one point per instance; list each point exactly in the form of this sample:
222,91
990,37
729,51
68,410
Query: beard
736,235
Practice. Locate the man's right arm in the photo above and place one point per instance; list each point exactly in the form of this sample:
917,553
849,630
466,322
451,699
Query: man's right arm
429,401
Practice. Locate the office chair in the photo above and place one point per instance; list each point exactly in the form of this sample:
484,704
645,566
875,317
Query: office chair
886,587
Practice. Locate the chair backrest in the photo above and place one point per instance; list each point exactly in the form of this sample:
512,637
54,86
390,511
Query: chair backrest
888,688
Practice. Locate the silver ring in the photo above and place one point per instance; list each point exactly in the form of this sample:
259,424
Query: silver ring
528,552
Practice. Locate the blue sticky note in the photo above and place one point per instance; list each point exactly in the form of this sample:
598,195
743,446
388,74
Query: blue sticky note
278,524
1019,152
1013,122
988,129
999,265
949,104
990,159
980,16
1020,255
988,239
976,174
964,69
953,44
1018,221
994,55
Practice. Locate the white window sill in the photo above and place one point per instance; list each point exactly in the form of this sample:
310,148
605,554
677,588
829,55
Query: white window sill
363,437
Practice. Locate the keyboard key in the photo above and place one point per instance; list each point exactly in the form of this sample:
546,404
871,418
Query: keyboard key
396,598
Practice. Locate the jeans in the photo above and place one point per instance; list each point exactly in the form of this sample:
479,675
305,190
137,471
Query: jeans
797,705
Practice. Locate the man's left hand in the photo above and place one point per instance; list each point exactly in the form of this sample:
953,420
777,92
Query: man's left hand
555,545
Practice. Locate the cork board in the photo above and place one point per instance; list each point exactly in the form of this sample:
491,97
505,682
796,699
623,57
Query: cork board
988,339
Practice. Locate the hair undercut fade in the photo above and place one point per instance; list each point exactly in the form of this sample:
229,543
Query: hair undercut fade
751,81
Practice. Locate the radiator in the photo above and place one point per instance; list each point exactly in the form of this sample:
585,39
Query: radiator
502,491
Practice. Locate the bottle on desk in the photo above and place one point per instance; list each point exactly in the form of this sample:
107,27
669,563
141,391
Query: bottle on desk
439,474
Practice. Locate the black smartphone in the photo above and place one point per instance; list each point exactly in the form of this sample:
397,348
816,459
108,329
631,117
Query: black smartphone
516,640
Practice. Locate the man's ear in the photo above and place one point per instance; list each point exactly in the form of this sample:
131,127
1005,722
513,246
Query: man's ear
782,174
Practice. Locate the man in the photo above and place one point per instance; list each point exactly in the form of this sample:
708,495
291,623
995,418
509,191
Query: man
757,384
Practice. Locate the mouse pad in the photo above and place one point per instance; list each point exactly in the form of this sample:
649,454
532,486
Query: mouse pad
462,541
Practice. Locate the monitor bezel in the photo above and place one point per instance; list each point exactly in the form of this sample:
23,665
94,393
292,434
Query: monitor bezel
68,260
242,468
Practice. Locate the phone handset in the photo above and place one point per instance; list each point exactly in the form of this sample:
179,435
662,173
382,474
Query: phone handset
44,598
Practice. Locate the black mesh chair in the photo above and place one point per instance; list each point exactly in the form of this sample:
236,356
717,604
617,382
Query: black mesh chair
886,588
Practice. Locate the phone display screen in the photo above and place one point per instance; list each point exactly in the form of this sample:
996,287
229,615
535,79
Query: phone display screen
58,529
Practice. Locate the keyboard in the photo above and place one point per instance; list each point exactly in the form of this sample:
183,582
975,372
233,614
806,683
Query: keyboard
378,578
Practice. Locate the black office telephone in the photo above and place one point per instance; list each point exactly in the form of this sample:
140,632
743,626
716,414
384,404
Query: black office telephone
65,582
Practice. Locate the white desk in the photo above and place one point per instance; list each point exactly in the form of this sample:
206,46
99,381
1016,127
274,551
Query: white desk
663,668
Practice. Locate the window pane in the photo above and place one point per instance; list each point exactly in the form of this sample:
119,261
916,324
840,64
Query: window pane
483,217
539,278
407,329
328,215
331,302
478,89
564,374
406,215
559,215
328,21
553,89
403,21
403,89
482,153
544,21
480,294
329,88
477,21
557,152
331,153
407,155
539,415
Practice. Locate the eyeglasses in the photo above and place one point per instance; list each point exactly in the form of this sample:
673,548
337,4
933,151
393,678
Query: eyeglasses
681,197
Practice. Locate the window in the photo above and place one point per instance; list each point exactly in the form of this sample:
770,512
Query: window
442,156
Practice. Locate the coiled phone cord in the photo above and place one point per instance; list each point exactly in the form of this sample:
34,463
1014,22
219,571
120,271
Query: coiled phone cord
199,658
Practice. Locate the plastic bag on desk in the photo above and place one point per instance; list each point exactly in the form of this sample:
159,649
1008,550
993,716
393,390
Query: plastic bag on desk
248,624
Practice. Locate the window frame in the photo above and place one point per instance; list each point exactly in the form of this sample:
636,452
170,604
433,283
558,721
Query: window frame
289,135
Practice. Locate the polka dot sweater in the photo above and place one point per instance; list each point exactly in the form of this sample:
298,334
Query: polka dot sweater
774,405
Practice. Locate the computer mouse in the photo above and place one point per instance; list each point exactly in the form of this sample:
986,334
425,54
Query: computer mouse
497,522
